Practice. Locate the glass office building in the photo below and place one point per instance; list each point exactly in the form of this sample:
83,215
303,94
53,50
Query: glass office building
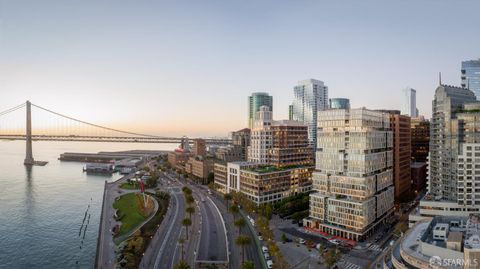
310,96
255,101
471,76
340,103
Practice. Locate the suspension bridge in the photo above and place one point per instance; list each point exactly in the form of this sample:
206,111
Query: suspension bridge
55,126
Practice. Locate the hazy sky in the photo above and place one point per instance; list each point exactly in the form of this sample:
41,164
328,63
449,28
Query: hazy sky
187,67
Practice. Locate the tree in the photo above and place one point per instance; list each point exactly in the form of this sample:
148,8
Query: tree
227,197
189,199
190,210
240,223
210,177
321,251
146,169
182,265
248,265
268,211
331,257
182,242
284,238
187,222
186,190
234,210
242,241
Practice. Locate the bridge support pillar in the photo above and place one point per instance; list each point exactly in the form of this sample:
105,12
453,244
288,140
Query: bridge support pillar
28,138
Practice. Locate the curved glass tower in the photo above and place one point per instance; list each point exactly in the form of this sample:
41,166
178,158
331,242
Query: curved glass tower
255,101
340,103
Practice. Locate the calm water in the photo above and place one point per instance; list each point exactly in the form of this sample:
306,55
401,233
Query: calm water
42,209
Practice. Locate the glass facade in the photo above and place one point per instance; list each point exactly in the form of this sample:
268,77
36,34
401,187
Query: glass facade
409,102
340,103
255,101
310,96
471,76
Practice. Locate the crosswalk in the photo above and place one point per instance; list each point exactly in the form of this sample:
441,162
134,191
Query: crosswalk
349,265
375,247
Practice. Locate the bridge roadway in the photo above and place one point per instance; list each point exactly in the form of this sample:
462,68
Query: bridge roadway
126,139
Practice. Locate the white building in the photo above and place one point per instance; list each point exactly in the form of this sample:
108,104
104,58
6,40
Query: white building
409,103
260,136
310,96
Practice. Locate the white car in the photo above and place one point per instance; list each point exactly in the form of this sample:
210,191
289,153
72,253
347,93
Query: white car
264,249
335,241
269,264
301,241
260,238
266,255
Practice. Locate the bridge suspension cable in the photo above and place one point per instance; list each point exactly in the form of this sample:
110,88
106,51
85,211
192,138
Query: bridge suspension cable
12,109
94,125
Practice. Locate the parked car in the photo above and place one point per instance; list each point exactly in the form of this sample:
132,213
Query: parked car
266,255
264,249
301,241
269,264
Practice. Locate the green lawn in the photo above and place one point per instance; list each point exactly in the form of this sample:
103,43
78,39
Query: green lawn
129,212
129,186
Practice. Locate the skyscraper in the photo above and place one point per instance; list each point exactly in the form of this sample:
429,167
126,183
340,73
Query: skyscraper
453,186
400,126
255,101
353,176
310,96
409,105
471,76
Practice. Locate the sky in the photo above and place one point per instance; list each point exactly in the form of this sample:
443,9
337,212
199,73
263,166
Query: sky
187,67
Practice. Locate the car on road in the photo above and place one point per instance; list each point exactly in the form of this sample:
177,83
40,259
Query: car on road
265,249
266,255
334,241
269,264
260,238
301,241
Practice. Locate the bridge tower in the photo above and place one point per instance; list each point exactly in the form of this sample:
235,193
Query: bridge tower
28,136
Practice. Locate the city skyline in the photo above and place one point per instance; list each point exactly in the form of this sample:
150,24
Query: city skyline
93,57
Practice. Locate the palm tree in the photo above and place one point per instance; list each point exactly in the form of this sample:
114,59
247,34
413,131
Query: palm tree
227,197
240,223
190,210
189,199
234,210
242,241
182,265
248,265
186,222
182,242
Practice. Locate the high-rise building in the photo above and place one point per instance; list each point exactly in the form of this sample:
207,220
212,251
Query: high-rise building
310,96
280,162
255,101
290,112
454,143
400,126
199,147
279,143
353,177
444,140
241,140
420,134
339,103
261,136
471,76
409,105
